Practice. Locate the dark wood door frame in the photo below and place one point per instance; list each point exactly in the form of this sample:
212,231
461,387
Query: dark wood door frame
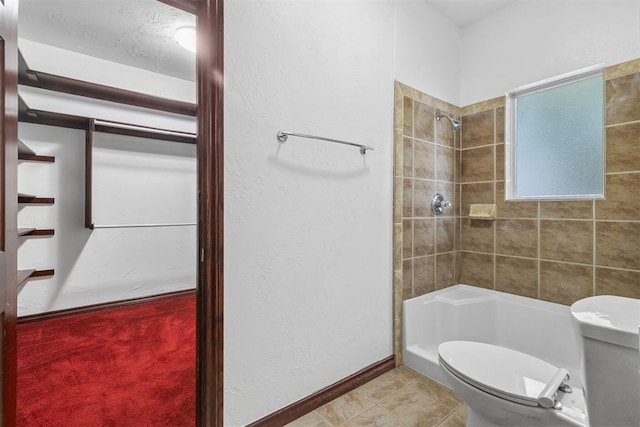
209,329
9,209
210,302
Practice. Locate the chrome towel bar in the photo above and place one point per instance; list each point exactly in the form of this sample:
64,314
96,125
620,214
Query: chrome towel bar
177,224
283,134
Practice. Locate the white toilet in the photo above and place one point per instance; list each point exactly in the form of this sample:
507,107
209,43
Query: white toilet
504,387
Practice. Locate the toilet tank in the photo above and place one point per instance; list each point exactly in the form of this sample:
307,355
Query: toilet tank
607,328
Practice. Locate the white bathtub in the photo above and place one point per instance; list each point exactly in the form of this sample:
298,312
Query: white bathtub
461,312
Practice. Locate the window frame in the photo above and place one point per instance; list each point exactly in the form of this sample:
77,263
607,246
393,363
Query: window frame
510,143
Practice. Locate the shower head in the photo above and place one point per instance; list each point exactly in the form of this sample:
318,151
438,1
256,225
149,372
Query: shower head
457,124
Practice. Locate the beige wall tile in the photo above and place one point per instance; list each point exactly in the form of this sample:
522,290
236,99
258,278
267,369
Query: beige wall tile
407,117
407,238
570,241
457,265
424,160
475,193
517,276
423,192
478,129
397,292
476,269
397,339
445,270
424,275
514,209
565,283
618,282
445,234
407,279
618,244
457,162
397,246
477,235
445,158
477,164
483,105
407,197
398,147
407,158
397,200
398,107
423,236
517,237
424,118
500,137
582,209
622,69
500,162
623,198
623,148
622,96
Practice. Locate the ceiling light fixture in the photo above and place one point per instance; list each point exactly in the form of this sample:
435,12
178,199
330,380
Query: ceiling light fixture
186,37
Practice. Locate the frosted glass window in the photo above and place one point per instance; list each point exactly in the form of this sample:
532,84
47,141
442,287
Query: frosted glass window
555,144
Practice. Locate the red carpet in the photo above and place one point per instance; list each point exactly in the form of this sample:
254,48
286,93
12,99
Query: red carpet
131,366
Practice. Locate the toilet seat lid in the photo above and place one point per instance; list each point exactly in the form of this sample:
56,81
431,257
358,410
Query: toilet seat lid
502,372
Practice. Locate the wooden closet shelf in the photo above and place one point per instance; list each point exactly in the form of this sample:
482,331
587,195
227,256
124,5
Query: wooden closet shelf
28,232
27,154
36,158
25,275
31,199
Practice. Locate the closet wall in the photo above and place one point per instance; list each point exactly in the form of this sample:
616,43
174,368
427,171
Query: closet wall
111,264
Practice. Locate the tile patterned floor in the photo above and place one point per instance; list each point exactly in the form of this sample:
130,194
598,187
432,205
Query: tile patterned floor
398,398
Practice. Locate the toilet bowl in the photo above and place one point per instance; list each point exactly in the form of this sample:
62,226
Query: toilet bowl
504,387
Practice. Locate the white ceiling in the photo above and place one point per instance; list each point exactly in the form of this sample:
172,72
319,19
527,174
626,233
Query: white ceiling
138,33
465,12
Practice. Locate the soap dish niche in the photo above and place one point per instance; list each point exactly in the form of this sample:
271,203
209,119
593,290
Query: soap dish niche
488,212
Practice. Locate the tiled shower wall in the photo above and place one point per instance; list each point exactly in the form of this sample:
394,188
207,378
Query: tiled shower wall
558,251
425,157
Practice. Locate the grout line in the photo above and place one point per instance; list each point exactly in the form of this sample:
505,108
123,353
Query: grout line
622,124
413,194
593,256
495,199
477,182
617,268
539,223
621,173
483,145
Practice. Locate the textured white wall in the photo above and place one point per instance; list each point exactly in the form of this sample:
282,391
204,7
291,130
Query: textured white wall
308,274
427,51
529,41
105,264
